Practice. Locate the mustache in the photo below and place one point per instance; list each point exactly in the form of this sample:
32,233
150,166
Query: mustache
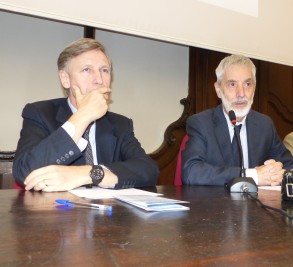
240,101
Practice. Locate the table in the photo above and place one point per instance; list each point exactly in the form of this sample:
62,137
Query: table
220,229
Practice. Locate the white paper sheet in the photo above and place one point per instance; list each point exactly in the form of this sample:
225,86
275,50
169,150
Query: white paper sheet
101,193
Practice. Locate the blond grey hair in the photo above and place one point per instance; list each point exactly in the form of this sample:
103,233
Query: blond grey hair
78,47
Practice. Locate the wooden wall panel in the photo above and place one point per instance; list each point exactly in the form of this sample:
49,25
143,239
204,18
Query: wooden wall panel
275,86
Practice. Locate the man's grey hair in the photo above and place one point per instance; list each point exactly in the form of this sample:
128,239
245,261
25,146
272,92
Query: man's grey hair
232,60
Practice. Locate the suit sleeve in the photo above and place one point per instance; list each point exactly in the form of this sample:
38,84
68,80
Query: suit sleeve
202,160
41,144
133,166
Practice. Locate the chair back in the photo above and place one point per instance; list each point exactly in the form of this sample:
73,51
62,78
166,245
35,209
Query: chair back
178,176
16,185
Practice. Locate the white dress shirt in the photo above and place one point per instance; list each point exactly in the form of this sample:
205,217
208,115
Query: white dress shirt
82,143
250,172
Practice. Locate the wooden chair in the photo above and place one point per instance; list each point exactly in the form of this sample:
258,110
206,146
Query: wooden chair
178,177
6,178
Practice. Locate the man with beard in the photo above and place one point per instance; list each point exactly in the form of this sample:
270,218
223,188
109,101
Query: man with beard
208,156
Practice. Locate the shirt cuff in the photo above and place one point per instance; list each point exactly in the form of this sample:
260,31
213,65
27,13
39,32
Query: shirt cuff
70,129
253,174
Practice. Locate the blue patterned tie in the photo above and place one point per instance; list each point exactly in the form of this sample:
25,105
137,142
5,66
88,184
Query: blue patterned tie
88,153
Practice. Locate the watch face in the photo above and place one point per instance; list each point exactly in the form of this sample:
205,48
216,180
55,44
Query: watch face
97,174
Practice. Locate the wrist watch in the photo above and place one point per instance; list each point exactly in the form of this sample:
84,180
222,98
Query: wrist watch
97,174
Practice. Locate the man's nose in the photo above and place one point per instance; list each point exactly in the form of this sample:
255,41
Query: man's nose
240,90
98,77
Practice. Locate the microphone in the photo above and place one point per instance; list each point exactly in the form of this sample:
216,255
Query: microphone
240,184
232,118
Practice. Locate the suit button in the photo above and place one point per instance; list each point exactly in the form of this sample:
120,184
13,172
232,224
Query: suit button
67,156
71,153
58,161
62,158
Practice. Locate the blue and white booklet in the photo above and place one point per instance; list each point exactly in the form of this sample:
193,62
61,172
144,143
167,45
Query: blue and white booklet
153,203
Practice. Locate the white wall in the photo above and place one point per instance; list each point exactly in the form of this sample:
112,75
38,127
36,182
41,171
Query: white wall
28,72
150,78
144,70
257,28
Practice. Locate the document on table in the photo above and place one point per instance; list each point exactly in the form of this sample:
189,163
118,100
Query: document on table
101,193
153,203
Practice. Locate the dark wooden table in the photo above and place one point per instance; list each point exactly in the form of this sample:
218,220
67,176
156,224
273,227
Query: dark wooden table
221,229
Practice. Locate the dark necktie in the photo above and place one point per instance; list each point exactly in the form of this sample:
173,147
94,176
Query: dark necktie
235,148
88,153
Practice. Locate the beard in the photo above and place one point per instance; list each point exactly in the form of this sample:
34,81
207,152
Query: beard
239,112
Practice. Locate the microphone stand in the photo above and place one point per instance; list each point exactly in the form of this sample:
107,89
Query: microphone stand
240,184
237,134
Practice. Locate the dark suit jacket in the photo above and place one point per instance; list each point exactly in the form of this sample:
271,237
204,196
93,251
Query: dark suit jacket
44,142
207,158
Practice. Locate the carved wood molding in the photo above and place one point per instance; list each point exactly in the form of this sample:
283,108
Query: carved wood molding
282,109
173,135
7,155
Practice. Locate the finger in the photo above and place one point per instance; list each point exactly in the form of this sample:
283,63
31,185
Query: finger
276,171
274,167
40,186
269,161
50,188
77,93
275,183
36,185
32,182
36,174
277,176
105,90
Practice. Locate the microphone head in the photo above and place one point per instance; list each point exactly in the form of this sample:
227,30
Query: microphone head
232,116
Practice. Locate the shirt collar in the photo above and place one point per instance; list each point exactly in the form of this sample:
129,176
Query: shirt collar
73,109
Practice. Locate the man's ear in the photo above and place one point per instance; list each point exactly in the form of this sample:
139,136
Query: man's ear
64,78
218,90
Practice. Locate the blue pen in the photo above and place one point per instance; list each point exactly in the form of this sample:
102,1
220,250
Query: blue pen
90,205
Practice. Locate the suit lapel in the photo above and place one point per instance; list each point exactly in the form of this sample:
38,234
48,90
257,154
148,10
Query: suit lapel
105,140
63,113
222,135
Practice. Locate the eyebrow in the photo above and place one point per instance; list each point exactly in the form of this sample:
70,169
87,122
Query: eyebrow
231,80
93,66
246,80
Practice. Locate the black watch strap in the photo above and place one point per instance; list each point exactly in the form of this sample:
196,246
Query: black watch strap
97,174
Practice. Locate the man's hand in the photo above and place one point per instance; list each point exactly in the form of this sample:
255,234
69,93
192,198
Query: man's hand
271,173
63,178
58,178
92,105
